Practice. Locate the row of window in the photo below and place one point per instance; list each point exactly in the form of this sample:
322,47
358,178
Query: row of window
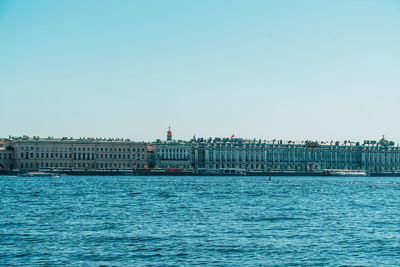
80,165
282,161
275,157
177,158
64,148
300,156
75,156
285,152
5,156
174,165
174,150
302,150
173,157
301,167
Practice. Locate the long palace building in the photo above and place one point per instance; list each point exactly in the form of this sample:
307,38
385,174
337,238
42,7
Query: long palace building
212,155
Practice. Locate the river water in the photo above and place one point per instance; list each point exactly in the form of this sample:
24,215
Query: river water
214,221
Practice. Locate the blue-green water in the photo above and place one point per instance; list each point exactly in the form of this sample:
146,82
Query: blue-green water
217,221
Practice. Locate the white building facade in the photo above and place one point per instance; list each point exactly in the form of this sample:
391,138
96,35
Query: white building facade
172,154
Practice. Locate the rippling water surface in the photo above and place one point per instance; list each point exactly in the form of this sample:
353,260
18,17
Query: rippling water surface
218,221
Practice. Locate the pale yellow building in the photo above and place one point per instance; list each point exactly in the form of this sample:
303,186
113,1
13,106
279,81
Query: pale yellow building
84,153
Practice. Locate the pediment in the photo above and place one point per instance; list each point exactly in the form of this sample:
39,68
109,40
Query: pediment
312,144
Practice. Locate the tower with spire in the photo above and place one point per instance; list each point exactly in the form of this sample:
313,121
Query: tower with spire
169,134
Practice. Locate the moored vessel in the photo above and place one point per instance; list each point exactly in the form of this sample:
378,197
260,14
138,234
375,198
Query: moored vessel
346,173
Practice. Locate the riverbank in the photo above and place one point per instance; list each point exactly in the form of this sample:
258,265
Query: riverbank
182,173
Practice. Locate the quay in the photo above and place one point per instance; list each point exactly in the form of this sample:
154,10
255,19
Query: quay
198,156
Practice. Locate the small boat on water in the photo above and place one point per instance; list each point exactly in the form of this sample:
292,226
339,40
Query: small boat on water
39,174
346,173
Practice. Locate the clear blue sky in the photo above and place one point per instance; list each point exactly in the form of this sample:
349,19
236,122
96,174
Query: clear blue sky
291,70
